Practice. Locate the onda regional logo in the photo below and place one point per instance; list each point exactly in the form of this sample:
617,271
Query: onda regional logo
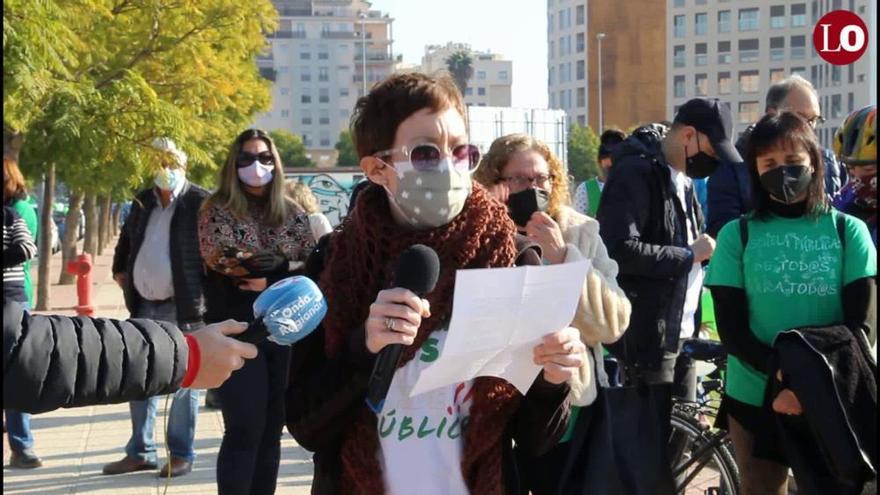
840,37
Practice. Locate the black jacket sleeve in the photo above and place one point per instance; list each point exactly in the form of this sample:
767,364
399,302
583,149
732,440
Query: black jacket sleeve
860,307
725,196
624,213
59,361
123,246
732,318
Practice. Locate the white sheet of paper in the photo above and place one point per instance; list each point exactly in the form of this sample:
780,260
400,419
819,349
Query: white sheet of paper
498,316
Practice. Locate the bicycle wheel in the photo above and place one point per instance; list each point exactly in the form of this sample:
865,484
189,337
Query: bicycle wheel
702,460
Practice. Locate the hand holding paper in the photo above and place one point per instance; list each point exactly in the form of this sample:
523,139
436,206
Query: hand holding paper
499,315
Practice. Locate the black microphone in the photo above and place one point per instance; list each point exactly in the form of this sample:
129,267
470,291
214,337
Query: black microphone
418,269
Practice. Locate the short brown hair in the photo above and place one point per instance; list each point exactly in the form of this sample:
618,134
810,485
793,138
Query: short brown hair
489,171
14,187
378,114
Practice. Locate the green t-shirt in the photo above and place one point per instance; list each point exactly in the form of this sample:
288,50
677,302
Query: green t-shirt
29,214
793,274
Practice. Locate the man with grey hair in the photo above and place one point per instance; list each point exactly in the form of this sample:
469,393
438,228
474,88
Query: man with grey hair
162,278
729,189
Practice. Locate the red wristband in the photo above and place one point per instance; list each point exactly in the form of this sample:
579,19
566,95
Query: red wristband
194,361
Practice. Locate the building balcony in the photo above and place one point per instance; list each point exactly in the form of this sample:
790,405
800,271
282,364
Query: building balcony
374,57
339,35
287,35
294,12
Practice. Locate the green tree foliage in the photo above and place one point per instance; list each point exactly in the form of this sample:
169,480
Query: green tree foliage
461,65
347,154
583,145
291,149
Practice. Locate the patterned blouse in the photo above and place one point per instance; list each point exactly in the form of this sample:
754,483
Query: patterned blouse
221,232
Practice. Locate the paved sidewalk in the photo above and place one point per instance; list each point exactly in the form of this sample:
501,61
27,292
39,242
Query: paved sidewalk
75,443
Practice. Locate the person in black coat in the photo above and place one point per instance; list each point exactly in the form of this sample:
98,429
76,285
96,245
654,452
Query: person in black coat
649,220
158,265
57,361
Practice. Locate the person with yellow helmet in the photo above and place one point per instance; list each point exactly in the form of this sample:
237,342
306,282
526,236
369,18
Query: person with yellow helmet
856,145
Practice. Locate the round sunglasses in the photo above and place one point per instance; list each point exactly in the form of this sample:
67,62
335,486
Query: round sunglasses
246,159
427,157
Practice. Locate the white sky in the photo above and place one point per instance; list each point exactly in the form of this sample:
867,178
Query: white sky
515,29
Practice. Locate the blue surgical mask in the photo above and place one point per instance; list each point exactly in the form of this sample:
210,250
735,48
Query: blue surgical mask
168,179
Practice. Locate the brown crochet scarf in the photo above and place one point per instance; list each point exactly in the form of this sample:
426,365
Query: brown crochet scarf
358,267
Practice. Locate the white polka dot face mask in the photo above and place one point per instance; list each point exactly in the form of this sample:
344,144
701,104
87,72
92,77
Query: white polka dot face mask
431,198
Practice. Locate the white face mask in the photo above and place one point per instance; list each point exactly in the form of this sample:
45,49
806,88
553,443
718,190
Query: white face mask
430,199
256,174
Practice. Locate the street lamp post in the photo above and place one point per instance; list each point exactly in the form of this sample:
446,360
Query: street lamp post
599,37
363,17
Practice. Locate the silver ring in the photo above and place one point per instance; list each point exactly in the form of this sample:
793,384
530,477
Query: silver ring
389,322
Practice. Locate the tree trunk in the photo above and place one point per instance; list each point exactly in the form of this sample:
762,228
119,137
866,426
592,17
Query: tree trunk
90,209
103,223
71,230
45,261
114,220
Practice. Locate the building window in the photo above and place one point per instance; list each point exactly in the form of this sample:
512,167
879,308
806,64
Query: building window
325,140
700,54
502,75
836,109
748,50
701,84
285,91
581,70
481,75
678,3
283,69
305,98
306,117
798,47
468,91
678,89
748,19
324,95
723,21
678,55
678,26
701,24
749,81
285,113
579,42
305,55
481,91
307,139
801,71
323,74
305,74
579,15
777,16
551,76
343,92
553,100
748,112
799,15
550,24
724,83
724,56
777,48
582,120
324,118
552,49
836,75
323,56
582,97
776,75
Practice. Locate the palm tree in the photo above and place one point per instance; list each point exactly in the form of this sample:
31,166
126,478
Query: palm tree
460,65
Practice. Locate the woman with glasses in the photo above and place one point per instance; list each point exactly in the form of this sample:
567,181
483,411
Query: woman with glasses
523,173
411,136
250,237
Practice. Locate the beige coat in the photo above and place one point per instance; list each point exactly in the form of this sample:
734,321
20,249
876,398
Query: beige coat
603,310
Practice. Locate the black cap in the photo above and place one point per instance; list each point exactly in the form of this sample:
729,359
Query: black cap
712,118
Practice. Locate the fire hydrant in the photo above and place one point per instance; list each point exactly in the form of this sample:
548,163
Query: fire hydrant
82,268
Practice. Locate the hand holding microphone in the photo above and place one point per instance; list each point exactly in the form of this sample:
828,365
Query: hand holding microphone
395,318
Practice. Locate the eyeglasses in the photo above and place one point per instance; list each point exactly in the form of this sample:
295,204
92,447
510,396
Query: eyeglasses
245,159
813,121
426,157
521,181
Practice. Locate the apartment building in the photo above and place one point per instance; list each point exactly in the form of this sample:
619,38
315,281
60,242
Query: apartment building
324,54
736,49
493,75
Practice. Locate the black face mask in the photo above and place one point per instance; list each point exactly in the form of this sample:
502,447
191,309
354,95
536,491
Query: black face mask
786,183
523,204
701,165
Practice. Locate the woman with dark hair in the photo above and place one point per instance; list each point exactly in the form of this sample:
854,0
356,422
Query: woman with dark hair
251,237
793,263
411,136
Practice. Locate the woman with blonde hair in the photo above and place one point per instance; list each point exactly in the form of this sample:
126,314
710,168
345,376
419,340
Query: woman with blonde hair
250,237
306,201
523,173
